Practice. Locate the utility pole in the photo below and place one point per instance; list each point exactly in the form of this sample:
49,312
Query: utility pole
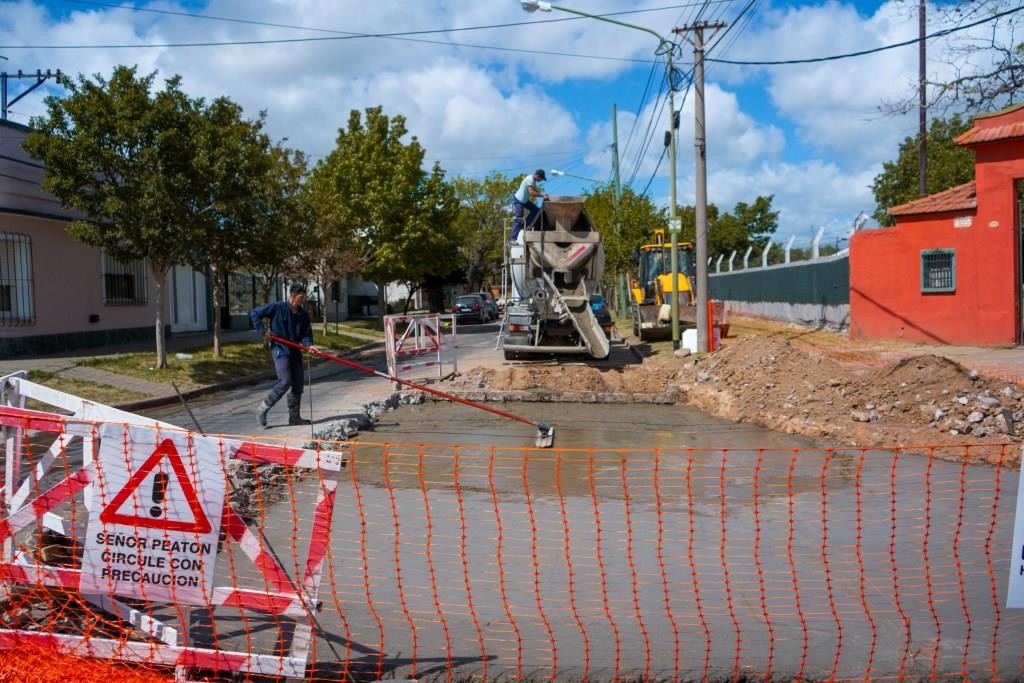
673,210
40,78
616,195
922,105
700,157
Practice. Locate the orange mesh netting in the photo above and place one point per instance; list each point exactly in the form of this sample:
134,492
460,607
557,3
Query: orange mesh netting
416,561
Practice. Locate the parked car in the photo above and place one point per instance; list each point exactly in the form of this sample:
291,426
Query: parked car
490,304
601,312
471,307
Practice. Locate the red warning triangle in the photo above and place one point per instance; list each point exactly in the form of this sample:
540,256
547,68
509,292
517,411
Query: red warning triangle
166,449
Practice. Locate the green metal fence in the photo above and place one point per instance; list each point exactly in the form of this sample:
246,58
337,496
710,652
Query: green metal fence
824,281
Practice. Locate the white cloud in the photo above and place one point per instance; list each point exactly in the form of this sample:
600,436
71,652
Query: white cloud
458,109
482,110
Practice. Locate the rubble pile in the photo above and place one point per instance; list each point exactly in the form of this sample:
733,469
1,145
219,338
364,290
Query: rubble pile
918,401
925,400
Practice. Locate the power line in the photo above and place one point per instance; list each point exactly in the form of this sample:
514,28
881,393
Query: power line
253,22
639,110
656,168
346,35
861,53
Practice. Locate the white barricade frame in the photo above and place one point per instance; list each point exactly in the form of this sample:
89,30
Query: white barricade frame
422,344
24,505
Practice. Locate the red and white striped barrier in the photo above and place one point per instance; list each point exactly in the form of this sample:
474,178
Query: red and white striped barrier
149,518
418,342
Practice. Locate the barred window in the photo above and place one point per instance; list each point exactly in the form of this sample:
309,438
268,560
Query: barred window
124,281
938,270
241,293
16,279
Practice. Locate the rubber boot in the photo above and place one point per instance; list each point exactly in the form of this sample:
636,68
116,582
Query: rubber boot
294,418
262,414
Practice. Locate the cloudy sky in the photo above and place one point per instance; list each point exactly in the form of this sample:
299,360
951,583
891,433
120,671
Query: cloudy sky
489,87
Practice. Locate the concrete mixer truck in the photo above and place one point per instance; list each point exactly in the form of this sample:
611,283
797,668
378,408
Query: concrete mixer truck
554,269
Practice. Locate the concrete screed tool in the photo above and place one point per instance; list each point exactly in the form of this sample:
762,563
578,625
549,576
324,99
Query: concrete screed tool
545,432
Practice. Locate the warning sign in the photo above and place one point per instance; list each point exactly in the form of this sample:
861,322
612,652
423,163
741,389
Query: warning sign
155,518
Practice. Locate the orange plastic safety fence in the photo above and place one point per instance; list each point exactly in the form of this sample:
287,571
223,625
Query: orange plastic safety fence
44,665
460,562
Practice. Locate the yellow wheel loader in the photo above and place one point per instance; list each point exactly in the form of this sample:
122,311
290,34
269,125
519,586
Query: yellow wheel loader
652,290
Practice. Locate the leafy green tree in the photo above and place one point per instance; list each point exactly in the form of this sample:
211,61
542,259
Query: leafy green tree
278,231
232,161
949,165
400,216
482,214
428,244
748,225
624,228
123,156
331,246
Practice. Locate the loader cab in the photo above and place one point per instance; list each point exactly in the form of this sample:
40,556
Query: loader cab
654,269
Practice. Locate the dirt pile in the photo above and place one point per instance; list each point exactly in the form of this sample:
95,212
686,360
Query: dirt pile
921,401
924,400
640,382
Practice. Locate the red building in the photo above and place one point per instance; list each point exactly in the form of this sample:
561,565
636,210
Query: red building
950,270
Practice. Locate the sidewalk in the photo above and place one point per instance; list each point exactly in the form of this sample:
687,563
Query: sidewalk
68,364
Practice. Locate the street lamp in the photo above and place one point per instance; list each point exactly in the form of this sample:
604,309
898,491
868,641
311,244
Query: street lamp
666,48
555,171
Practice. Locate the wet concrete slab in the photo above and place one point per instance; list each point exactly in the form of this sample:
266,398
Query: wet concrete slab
656,540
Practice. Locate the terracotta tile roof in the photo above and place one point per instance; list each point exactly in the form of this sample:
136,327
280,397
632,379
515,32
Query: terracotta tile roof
959,198
977,135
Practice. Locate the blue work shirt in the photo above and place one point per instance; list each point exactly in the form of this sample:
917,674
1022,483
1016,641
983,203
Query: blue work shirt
285,324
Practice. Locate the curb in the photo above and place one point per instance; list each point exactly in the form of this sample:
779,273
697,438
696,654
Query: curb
158,401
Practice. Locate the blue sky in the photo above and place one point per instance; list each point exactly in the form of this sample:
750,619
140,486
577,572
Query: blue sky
811,135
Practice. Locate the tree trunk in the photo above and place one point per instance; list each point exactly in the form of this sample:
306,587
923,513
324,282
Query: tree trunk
382,304
215,291
160,275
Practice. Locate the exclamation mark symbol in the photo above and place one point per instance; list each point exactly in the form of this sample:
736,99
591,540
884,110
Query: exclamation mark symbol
159,490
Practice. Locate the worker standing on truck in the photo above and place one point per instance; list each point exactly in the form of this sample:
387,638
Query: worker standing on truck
523,200
286,320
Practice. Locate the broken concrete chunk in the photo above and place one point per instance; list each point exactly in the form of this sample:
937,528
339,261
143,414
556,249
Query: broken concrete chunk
989,402
976,416
962,400
860,416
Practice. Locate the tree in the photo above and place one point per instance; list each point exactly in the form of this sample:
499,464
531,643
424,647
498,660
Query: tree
749,225
482,213
949,165
278,230
329,246
427,245
231,161
623,229
399,216
122,155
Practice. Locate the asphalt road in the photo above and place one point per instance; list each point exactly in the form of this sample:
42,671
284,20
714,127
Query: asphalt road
335,392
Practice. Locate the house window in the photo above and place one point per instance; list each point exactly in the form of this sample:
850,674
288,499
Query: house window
16,279
124,281
938,270
241,293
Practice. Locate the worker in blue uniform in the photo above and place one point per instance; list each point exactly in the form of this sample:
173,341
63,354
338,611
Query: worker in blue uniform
286,320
